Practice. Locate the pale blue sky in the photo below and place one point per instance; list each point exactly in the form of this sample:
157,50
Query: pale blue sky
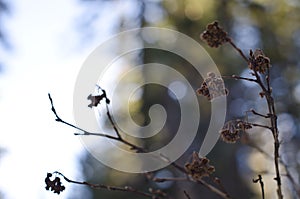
46,57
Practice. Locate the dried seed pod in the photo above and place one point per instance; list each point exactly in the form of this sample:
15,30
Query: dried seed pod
212,87
258,61
199,167
54,185
231,130
214,35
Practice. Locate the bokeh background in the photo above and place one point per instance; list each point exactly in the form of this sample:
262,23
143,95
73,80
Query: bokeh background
44,43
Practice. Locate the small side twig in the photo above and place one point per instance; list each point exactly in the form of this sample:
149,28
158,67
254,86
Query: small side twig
239,78
259,179
259,114
159,180
260,125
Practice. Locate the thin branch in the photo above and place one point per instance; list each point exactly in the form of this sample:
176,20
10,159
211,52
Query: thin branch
260,125
110,188
295,185
159,180
239,78
259,114
259,179
275,132
133,147
112,122
239,50
219,183
107,101
119,139
186,194
272,113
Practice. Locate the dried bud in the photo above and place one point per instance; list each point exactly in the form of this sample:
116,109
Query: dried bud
54,185
199,167
212,87
258,61
214,35
231,130
95,100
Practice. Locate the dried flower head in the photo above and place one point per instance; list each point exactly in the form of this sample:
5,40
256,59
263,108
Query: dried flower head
231,130
199,167
212,87
258,61
96,99
55,184
214,35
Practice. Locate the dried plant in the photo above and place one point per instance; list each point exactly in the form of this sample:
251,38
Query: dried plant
199,167
199,170
259,64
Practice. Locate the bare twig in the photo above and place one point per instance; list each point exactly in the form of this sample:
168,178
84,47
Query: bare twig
275,132
107,101
219,183
239,78
267,91
213,189
132,146
117,138
155,179
186,194
110,188
259,114
259,179
259,125
239,50
295,185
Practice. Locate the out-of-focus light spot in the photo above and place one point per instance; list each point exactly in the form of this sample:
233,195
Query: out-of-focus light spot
171,5
238,107
280,86
154,1
164,174
245,34
153,13
286,126
295,3
193,10
177,90
242,157
296,93
246,74
258,163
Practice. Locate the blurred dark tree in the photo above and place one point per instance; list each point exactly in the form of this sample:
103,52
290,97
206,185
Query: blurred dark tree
273,26
4,9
